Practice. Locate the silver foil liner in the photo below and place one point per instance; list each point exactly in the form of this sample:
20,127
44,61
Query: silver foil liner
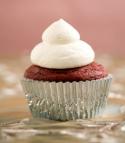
66,100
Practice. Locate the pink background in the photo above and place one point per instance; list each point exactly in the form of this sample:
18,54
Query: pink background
101,23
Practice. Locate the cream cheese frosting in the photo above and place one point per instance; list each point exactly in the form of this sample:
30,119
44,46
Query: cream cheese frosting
61,48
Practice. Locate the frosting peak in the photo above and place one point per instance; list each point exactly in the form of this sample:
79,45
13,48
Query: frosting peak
62,48
60,32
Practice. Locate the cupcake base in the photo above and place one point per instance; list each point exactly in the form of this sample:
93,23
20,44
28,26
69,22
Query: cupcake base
66,100
89,72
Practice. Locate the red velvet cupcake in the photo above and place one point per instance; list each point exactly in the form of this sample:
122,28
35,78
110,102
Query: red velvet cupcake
64,82
89,72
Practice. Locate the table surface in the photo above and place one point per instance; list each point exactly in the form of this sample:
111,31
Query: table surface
17,125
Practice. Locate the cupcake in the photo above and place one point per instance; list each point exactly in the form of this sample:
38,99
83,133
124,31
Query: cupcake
64,82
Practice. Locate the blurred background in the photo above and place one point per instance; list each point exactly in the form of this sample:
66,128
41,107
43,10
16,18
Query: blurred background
100,23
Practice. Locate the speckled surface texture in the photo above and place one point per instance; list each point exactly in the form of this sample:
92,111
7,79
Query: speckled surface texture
17,125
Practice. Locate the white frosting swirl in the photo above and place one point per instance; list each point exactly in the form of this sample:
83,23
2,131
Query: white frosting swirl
62,48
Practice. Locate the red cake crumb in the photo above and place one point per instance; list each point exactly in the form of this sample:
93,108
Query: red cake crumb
92,71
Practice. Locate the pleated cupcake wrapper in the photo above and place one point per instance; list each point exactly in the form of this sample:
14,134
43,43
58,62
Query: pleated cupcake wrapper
66,100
